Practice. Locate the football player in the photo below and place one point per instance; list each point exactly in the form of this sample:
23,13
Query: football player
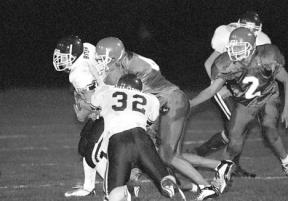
76,58
223,98
112,55
251,73
126,111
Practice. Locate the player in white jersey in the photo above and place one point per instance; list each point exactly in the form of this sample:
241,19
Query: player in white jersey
223,98
126,111
77,58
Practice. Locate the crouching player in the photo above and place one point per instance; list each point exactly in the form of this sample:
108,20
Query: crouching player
126,111
76,58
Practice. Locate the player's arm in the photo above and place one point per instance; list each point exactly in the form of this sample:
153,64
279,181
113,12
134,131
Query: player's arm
282,76
154,110
82,106
207,93
81,113
209,62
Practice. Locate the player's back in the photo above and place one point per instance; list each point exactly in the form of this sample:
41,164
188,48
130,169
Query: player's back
82,72
124,109
149,73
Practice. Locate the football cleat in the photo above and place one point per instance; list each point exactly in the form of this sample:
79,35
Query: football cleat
223,174
208,192
285,168
80,192
171,189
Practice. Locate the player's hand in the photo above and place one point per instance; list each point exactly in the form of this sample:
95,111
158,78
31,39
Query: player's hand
94,115
284,117
78,113
224,92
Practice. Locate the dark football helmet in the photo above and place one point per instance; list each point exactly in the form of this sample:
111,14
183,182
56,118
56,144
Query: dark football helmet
67,51
250,20
130,81
108,50
241,44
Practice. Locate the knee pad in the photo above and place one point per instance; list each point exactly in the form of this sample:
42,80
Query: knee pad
120,193
235,146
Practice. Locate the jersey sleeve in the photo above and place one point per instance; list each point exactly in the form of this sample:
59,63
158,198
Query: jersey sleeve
262,39
220,38
223,68
154,109
81,79
98,98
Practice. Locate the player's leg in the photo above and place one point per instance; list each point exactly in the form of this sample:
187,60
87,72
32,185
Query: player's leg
89,135
151,164
271,132
240,118
172,123
172,128
121,154
220,139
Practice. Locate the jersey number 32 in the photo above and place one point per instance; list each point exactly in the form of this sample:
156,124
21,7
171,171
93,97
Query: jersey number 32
138,102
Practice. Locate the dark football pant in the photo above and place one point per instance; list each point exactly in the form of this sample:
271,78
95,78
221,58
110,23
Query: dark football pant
89,135
130,149
218,141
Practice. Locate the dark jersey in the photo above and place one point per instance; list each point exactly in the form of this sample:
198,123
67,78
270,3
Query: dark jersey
254,83
149,73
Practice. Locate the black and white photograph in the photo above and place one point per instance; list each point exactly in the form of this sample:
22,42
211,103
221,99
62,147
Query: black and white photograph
144,100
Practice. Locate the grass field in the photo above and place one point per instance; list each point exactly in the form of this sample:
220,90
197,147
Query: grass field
39,160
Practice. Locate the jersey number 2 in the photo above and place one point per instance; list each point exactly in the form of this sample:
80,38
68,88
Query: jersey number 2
250,93
137,102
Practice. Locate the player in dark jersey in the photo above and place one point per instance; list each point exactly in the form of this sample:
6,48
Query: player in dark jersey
223,99
251,74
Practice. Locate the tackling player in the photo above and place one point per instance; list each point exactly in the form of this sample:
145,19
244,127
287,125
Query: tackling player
77,58
174,105
126,111
251,73
223,98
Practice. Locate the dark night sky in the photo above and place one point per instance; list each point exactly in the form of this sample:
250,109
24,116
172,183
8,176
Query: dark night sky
175,33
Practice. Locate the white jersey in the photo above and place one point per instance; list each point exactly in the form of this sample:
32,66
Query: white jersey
124,109
82,74
221,35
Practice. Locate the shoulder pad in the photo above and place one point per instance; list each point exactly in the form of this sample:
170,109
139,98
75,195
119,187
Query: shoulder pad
262,39
220,38
220,65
